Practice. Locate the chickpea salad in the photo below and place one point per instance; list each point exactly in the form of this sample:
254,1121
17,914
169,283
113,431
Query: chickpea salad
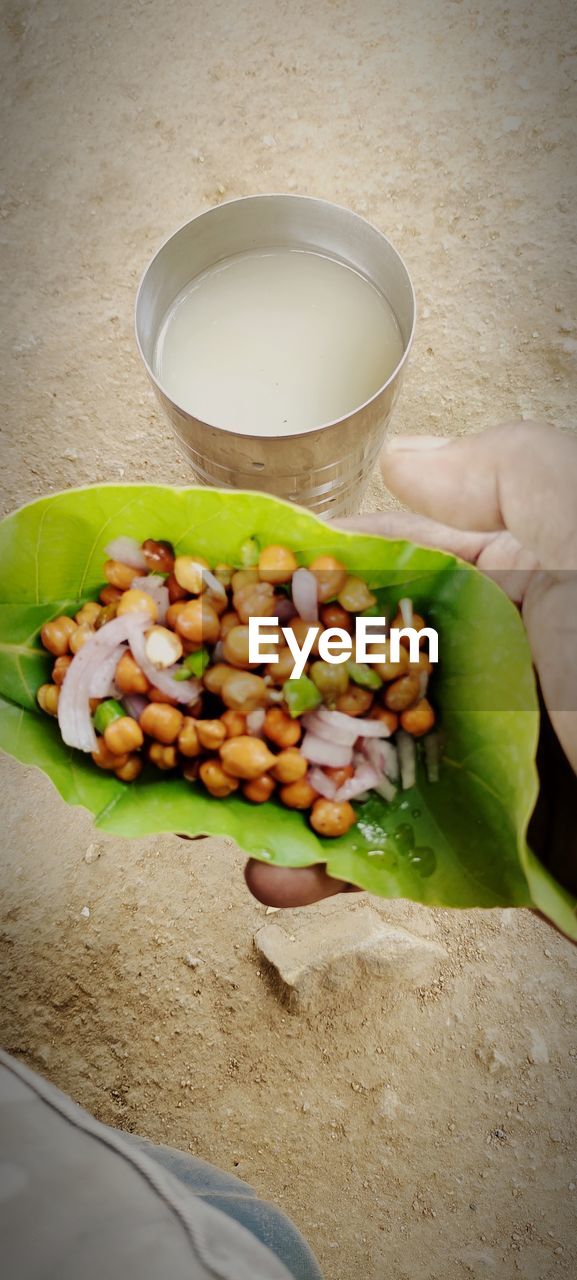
157,672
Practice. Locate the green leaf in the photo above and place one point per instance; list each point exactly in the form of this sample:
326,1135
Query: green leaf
460,842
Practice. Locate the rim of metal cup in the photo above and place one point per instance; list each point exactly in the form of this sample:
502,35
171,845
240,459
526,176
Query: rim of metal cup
271,195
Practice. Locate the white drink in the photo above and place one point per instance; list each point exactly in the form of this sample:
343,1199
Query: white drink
276,341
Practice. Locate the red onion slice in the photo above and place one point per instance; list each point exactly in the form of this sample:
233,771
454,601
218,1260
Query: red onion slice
319,751
154,586
184,691
74,707
128,551
213,583
305,595
255,721
134,704
365,777
325,786
342,728
407,759
406,612
382,756
385,789
102,684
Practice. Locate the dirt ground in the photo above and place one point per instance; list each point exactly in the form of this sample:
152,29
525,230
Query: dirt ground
422,1134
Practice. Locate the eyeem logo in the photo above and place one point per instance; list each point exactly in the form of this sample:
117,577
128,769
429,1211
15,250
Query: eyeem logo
336,645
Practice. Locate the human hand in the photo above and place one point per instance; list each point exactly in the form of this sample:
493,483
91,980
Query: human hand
504,500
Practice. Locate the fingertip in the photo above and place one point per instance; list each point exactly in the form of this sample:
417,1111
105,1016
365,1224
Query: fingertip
290,887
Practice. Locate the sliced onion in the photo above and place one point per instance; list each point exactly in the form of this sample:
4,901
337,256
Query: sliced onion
423,683
255,721
305,595
364,778
213,583
407,759
154,586
382,756
184,691
385,789
319,751
338,727
102,684
128,551
432,745
74,716
406,612
134,704
319,781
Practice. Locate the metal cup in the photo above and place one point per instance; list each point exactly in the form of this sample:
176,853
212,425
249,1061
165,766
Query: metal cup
325,467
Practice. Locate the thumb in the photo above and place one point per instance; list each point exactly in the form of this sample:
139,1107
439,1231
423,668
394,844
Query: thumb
521,477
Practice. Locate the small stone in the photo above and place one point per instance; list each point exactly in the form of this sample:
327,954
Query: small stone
538,1053
192,961
271,910
85,913
334,953
92,853
268,140
71,455
571,1186
156,1039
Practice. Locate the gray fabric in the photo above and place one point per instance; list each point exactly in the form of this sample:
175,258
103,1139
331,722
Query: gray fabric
78,1203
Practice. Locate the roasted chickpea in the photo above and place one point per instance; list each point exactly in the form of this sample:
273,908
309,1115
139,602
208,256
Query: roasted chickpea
211,734
173,612
282,670
419,719
161,721
188,573
215,678
162,647
256,601
120,575
235,648
224,574
355,702
280,728
88,614
234,723
162,756
298,795
333,615
216,781
259,790
424,664
391,670
159,556
123,735
79,637
355,595
276,564
332,817
289,766
246,757
244,578
402,693
107,613
60,668
188,739
110,595
244,692
198,622
55,635
47,698
339,773
331,680
130,771
129,676
175,591
330,575
135,601
106,759
390,718
158,695
228,620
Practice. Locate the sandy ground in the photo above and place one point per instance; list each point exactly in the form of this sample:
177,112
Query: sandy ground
422,1134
